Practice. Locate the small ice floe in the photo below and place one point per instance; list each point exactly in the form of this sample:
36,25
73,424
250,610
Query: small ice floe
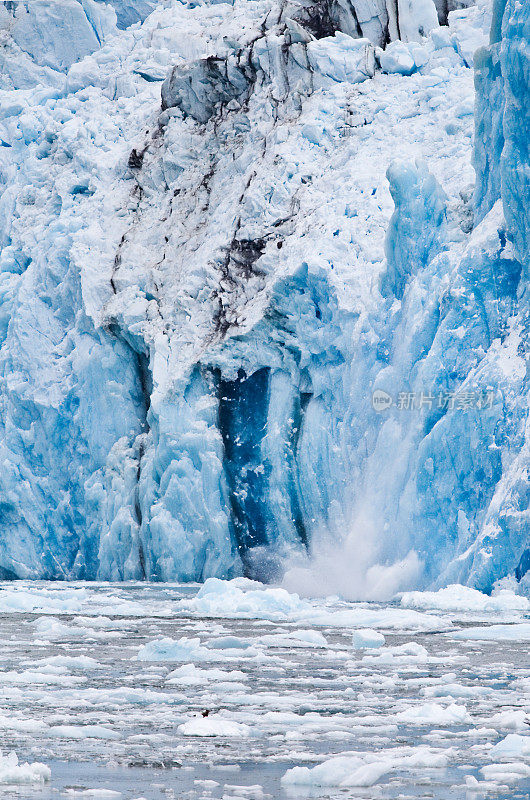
190,675
456,690
476,786
68,662
204,783
512,746
503,633
80,732
339,771
229,648
366,769
434,714
13,773
410,652
513,720
214,726
228,643
52,629
182,649
101,794
254,792
506,773
367,638
301,638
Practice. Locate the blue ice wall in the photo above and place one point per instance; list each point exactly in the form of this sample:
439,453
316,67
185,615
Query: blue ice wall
515,159
61,384
502,112
220,421
242,419
467,487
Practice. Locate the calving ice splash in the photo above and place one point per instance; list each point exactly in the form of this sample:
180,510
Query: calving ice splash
231,233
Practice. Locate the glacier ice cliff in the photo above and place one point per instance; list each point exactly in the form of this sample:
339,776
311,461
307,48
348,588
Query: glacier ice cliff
225,231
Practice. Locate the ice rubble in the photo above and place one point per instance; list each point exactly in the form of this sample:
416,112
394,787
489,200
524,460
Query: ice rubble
191,336
232,600
412,719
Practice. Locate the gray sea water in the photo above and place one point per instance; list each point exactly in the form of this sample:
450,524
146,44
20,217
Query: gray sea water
112,723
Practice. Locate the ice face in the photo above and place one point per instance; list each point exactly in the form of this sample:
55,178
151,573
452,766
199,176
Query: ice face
57,35
515,67
129,12
251,315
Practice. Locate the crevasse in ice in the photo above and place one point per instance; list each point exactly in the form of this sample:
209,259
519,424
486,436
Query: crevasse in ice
216,247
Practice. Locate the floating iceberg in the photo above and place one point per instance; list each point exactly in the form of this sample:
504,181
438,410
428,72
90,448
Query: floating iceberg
167,649
13,773
213,726
362,770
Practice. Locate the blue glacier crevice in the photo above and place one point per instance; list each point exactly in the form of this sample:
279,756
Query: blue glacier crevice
515,157
242,418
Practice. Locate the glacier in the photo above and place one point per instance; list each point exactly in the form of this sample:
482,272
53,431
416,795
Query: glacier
225,231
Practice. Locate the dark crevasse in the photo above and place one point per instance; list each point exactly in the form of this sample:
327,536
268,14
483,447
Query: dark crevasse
243,405
300,405
523,566
243,415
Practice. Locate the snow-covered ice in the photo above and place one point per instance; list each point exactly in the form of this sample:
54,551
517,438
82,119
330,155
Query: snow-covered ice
204,726
367,637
